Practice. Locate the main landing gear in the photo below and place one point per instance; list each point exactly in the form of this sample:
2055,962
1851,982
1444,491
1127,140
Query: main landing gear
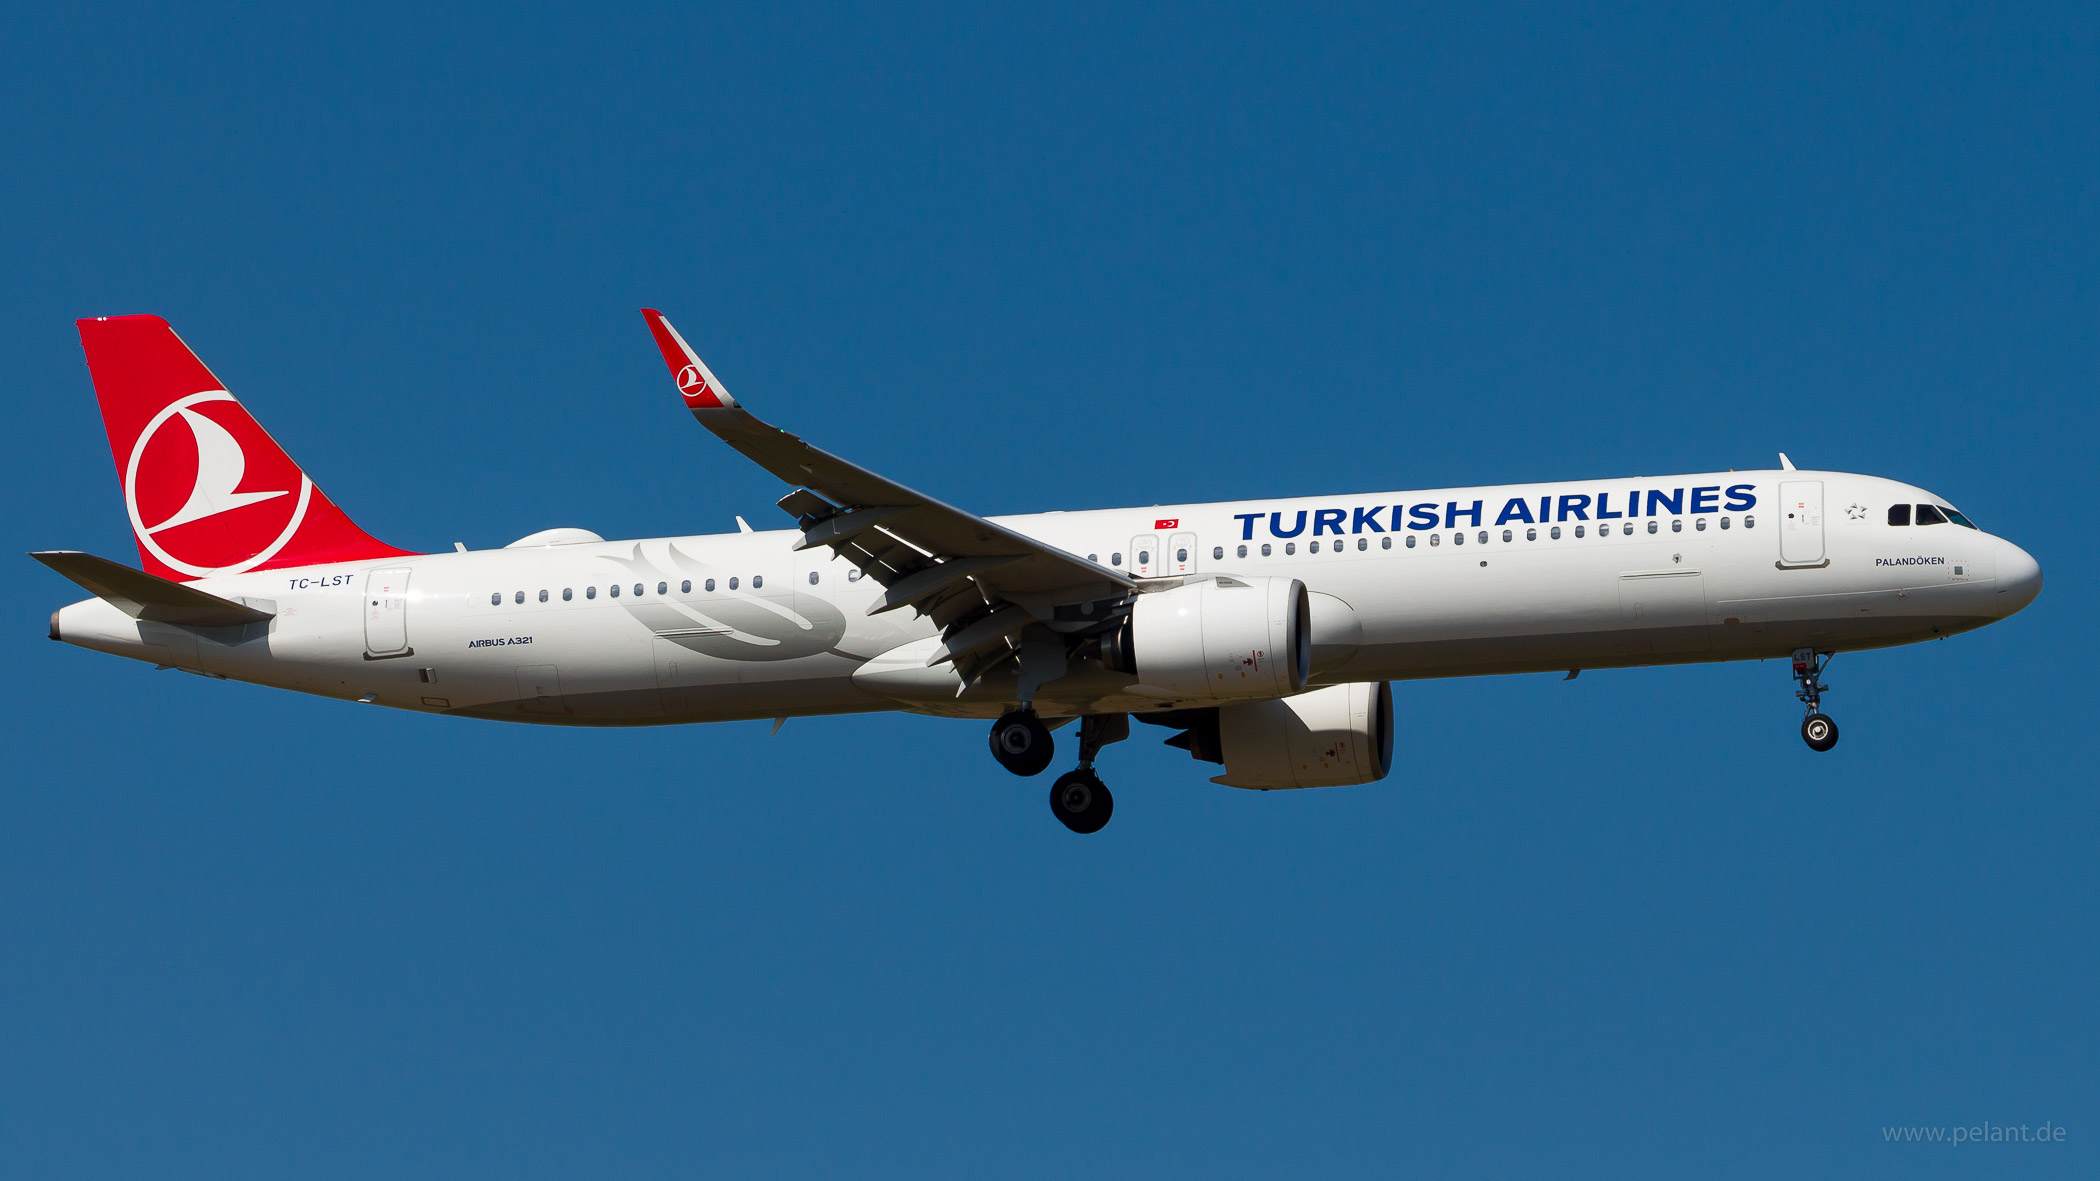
1817,730
1021,742
1079,800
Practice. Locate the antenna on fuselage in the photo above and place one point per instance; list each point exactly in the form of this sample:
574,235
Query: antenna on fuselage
1785,464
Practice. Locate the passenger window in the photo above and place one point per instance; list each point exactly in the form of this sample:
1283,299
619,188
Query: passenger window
496,600
1181,555
1554,533
1362,544
1700,524
732,583
590,592
813,578
1385,543
1899,514
1578,530
520,596
567,594
1509,535
1928,515
757,581
663,588
1313,548
1144,557
709,586
613,590
1115,559
852,575
1749,522
1217,553
1094,558
543,596
686,587
1433,538
1627,529
1676,524
1724,522
1410,541
1651,526
1483,538
1290,547
1264,549
1243,551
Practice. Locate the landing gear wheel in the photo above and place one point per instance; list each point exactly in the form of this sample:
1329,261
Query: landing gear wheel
1021,743
1819,732
1081,802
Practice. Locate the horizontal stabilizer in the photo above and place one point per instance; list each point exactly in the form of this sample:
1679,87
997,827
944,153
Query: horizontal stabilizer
148,596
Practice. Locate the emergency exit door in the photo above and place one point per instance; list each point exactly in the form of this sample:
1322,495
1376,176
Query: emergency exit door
1801,523
1181,554
1144,555
386,613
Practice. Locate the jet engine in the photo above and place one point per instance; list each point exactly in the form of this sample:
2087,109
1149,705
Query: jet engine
1218,639
1330,737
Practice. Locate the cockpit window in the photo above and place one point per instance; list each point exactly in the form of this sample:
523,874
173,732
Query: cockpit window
1957,518
1928,515
1899,514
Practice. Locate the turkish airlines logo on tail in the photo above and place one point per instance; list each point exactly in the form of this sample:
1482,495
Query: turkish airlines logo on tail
157,470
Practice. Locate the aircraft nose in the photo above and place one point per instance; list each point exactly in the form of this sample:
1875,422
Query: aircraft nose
2019,577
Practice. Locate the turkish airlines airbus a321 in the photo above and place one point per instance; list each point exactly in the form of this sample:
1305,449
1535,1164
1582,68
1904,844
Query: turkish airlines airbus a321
1264,634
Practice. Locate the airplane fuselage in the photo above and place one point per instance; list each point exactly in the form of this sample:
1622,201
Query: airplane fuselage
1404,585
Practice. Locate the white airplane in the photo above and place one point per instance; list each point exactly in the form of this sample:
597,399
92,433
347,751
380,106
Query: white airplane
1264,633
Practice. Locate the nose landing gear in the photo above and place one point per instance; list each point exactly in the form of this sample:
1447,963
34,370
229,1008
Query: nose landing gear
1817,730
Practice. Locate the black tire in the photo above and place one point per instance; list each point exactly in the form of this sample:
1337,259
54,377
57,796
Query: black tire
1081,802
1022,743
1819,732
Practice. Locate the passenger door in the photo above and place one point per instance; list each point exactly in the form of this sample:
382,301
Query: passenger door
1801,523
386,613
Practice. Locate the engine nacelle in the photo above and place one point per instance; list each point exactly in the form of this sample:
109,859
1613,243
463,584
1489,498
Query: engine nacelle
1220,639
1330,737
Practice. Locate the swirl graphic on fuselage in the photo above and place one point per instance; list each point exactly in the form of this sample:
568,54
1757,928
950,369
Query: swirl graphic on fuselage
732,624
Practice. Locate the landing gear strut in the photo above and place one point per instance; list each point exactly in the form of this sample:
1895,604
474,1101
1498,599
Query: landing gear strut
1817,730
1021,742
1079,800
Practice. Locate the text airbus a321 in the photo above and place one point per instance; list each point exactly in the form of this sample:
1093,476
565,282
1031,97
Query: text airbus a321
1263,634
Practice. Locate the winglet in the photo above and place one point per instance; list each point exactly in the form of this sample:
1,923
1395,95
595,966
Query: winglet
701,389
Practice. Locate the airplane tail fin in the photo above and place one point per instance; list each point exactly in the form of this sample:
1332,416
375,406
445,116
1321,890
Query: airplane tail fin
209,492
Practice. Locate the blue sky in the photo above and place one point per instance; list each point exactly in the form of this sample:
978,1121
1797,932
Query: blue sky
1027,259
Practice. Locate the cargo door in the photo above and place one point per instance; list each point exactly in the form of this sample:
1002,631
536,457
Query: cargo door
386,613
1801,523
1664,611
539,690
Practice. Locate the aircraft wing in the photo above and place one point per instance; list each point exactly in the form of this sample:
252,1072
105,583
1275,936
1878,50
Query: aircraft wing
983,583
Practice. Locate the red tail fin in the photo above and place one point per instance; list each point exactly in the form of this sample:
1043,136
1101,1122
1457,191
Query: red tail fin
208,490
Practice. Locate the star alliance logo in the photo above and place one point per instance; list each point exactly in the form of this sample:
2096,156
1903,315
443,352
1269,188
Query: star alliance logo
1857,512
